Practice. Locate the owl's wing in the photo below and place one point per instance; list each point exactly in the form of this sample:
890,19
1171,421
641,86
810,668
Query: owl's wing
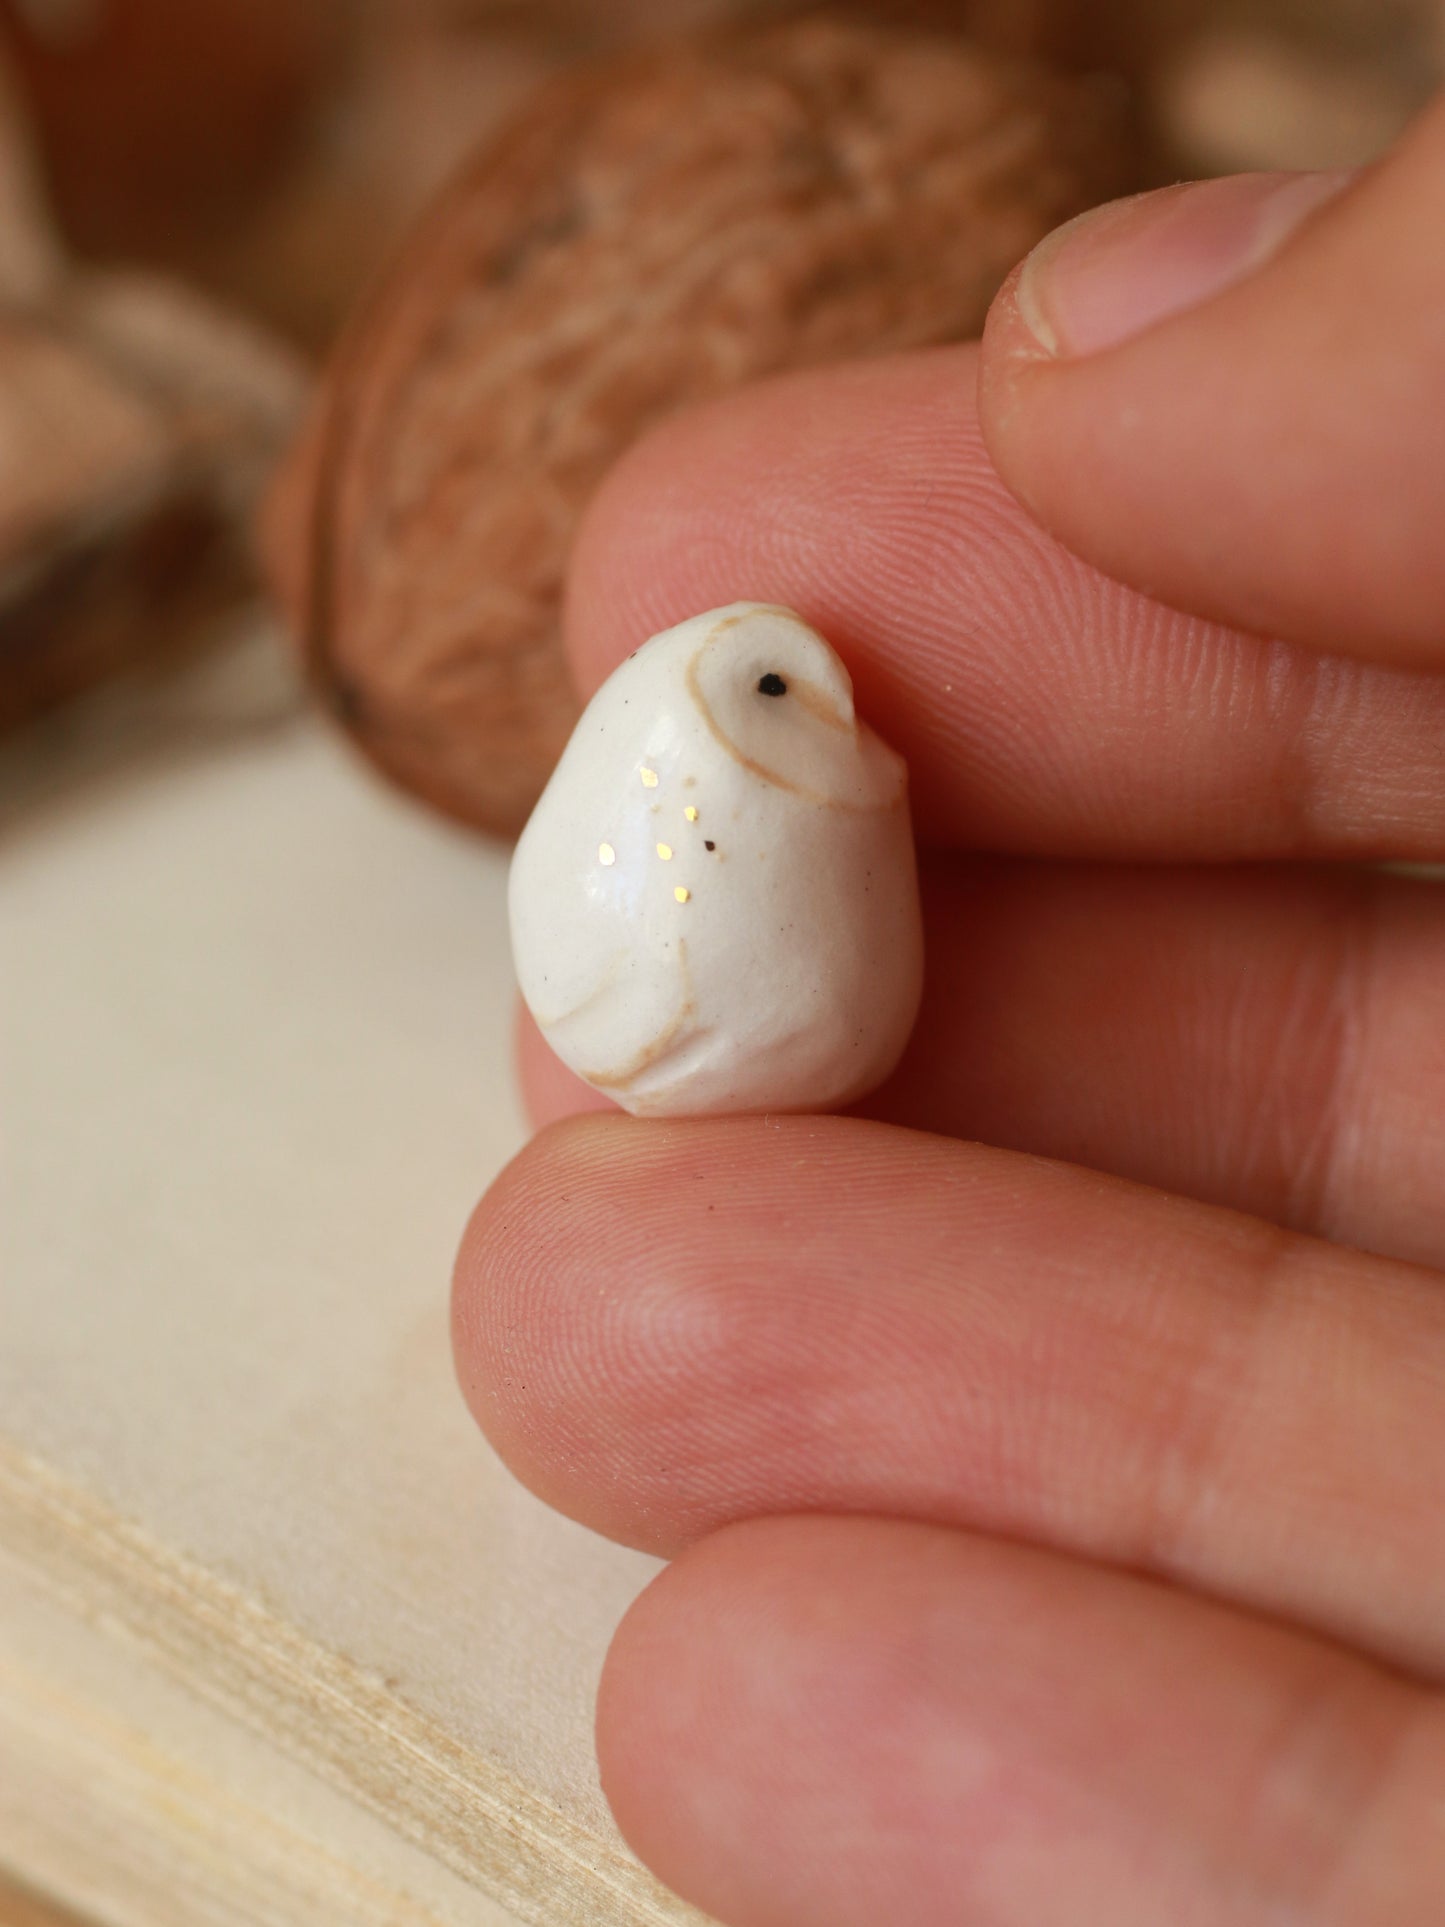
640,1011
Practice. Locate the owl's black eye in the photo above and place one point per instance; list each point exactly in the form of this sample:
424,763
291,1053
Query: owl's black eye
772,685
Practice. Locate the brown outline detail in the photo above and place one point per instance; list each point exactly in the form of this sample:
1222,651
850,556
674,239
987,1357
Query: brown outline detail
654,1052
730,748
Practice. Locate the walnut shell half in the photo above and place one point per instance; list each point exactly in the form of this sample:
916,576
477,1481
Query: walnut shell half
651,231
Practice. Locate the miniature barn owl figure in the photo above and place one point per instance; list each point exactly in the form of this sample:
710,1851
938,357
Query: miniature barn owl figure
714,906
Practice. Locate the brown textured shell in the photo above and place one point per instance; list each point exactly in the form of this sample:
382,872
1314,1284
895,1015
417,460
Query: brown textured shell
653,230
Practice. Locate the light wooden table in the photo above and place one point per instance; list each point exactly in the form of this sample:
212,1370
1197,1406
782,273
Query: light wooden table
279,1639
21,1907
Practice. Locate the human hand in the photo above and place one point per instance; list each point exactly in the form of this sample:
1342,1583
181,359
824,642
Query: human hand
1049,1548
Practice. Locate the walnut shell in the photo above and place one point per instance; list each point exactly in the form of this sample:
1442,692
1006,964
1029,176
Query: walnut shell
163,119
138,424
652,230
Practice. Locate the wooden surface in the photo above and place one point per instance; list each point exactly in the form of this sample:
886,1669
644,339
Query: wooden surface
279,1639
23,1907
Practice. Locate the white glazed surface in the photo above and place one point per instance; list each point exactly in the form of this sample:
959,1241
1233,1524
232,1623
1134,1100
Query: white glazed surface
714,906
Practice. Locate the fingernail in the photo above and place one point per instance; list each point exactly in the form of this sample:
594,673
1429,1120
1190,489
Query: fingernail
1120,269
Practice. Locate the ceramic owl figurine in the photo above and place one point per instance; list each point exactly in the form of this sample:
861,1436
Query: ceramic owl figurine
714,906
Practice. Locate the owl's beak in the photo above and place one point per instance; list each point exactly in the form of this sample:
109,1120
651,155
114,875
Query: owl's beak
831,700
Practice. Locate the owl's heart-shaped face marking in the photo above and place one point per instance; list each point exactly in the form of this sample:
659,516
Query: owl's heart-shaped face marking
780,702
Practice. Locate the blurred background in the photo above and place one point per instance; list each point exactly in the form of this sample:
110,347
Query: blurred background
196,195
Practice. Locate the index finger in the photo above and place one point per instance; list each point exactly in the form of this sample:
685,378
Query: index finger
1043,707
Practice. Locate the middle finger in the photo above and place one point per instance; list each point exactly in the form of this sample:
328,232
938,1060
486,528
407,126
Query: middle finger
1269,1040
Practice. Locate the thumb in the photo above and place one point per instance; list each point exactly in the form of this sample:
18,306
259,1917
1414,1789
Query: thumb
1232,395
